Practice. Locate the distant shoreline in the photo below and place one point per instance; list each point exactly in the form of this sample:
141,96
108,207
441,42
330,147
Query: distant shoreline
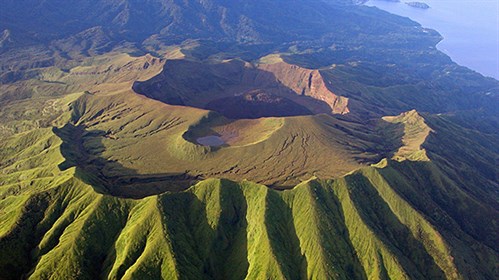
468,45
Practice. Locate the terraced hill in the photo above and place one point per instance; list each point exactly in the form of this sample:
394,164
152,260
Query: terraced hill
328,141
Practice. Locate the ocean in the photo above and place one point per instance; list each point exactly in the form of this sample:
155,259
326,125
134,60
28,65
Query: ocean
470,29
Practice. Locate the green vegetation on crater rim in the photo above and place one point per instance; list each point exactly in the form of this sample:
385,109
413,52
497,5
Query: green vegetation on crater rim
376,157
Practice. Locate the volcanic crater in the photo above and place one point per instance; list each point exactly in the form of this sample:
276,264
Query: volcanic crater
241,90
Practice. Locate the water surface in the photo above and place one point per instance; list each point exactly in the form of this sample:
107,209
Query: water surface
212,141
470,29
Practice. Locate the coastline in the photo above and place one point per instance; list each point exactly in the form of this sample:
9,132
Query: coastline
467,43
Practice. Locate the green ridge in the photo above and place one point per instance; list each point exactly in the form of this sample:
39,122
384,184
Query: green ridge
395,220
352,228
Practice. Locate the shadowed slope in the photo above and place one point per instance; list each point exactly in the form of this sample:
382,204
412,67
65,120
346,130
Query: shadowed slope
239,89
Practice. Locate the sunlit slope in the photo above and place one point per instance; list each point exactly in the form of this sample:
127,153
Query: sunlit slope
355,227
128,137
98,182
128,134
403,219
101,73
412,130
427,211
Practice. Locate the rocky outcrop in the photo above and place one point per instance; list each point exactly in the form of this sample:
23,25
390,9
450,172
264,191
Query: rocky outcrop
307,82
274,89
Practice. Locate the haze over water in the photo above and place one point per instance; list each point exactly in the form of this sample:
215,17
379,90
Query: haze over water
470,29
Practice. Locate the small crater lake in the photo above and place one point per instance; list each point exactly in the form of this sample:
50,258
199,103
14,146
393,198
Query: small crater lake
212,141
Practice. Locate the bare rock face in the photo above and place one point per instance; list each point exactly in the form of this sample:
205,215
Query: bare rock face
239,89
307,82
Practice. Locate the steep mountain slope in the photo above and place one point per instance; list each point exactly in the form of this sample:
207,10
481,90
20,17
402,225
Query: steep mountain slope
403,220
372,224
240,140
133,20
124,131
98,26
216,85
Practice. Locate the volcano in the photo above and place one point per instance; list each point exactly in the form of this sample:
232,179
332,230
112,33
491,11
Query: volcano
217,139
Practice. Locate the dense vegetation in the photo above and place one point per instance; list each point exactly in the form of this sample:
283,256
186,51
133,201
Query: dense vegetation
376,157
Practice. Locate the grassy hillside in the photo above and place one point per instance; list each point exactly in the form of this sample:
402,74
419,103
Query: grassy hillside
126,134
63,218
376,157
355,227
